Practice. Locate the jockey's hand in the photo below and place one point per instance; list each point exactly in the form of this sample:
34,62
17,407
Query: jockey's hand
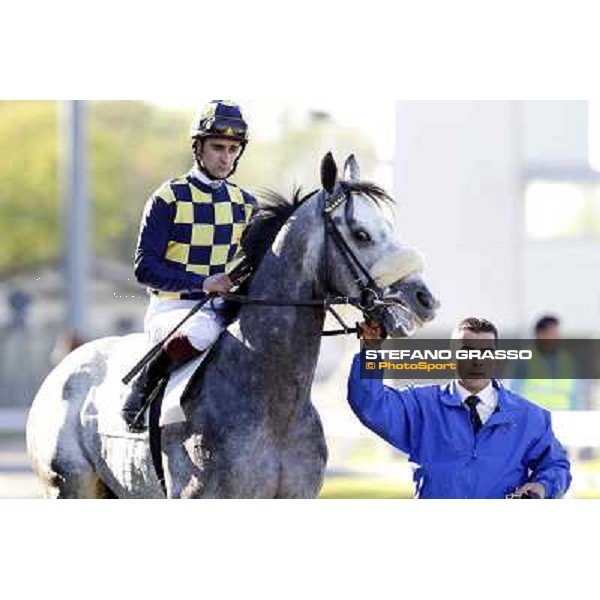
217,284
532,491
370,331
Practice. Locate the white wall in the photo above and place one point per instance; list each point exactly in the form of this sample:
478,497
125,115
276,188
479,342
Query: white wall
460,169
457,178
562,278
554,132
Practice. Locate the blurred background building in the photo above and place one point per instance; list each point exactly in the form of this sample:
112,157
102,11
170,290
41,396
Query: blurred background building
513,200
502,197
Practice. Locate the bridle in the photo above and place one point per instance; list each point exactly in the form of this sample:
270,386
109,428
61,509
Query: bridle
371,295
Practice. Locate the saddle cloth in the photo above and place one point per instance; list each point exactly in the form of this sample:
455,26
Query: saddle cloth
108,398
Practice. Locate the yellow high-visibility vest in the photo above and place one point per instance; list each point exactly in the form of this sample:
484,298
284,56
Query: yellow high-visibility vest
553,394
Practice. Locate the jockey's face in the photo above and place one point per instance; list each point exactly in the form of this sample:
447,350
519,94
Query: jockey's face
218,155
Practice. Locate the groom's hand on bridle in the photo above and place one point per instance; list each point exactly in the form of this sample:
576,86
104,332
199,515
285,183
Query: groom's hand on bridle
371,333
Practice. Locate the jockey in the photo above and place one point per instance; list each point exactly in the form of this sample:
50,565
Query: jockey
188,244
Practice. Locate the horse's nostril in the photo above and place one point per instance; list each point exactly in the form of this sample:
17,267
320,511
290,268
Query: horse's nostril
425,299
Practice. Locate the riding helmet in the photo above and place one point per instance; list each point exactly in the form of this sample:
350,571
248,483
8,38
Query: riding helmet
221,119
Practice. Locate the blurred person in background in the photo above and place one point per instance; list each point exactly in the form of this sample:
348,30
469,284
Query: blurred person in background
66,342
471,438
550,378
17,372
188,243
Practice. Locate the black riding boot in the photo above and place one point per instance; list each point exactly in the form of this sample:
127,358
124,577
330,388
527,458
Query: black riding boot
153,372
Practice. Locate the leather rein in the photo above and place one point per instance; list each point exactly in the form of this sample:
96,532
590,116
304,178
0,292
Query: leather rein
371,295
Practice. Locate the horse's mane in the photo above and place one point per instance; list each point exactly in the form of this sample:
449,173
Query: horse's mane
274,210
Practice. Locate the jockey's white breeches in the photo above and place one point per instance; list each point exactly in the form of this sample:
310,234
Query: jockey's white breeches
202,329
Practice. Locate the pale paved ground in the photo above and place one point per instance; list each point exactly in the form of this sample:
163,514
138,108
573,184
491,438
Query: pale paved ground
16,478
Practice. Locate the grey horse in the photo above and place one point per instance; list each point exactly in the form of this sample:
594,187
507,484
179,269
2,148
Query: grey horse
251,430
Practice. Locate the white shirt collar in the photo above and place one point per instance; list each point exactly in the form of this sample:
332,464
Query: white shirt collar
213,183
488,395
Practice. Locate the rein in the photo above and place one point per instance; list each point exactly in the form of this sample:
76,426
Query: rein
371,295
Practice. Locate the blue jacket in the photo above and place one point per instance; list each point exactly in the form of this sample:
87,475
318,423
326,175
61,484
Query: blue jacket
430,424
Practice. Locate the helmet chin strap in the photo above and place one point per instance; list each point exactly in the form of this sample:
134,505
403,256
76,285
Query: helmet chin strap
206,172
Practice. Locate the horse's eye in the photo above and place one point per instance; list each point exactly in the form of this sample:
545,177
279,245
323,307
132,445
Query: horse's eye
362,236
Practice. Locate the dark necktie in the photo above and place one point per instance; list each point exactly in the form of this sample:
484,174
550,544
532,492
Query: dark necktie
472,402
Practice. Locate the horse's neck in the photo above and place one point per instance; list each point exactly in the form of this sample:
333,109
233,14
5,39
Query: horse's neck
288,273
274,356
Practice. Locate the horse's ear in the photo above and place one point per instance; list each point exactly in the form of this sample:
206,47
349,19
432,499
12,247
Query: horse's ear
351,169
329,173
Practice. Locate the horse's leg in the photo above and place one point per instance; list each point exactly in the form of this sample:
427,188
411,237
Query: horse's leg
184,475
304,459
68,473
77,485
64,471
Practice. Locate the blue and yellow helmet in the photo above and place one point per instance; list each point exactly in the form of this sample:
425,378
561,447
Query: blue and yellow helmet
220,119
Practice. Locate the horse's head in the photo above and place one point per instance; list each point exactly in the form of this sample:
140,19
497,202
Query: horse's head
364,256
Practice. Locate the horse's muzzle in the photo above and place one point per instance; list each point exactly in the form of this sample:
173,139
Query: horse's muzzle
408,304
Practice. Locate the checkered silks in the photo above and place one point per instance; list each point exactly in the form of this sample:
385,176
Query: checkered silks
207,227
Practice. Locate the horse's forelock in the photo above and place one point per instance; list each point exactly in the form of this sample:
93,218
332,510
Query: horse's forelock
370,190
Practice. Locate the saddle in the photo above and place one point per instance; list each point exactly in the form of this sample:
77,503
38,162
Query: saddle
106,400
